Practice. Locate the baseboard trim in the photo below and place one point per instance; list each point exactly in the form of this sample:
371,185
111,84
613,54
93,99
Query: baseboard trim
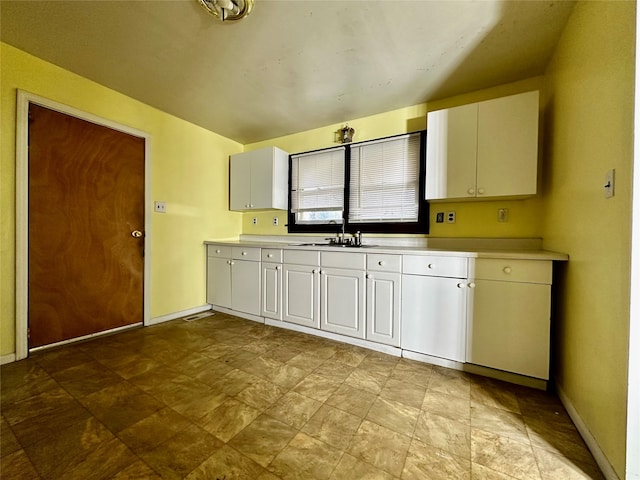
246,316
9,358
601,459
358,342
176,315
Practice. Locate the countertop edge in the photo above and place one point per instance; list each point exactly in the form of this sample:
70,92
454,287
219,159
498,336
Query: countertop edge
402,250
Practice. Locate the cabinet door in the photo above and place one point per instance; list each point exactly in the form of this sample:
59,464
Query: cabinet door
508,145
301,294
245,286
383,308
272,290
434,316
262,179
342,301
451,152
240,182
219,281
509,327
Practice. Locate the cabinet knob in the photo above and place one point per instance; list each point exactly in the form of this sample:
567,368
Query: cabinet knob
244,253
506,269
368,275
460,285
278,267
430,266
269,255
472,285
251,205
314,271
471,191
231,262
246,205
218,250
480,191
381,263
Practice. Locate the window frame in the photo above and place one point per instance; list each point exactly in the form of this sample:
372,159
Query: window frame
421,226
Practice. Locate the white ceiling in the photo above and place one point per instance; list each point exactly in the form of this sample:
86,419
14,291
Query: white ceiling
291,65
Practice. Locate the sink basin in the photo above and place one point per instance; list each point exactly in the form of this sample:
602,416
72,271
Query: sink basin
338,245
308,244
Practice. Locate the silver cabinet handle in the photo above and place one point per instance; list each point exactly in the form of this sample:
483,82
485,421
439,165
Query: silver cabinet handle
218,250
269,255
368,275
430,266
244,253
278,267
471,191
472,285
314,271
381,263
506,269
460,285
136,234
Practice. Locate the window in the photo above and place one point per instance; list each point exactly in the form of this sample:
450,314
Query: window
384,180
374,186
317,187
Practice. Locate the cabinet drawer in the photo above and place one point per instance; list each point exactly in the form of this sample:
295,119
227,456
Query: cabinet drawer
343,260
435,266
384,263
529,271
273,255
302,257
220,251
246,253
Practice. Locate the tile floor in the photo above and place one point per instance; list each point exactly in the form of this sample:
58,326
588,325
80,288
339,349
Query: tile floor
226,398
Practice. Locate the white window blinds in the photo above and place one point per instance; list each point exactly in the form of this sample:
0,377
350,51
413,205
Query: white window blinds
317,185
384,180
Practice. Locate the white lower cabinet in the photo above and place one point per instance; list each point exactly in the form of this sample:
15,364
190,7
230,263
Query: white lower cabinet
434,308
301,295
272,283
233,278
219,281
383,298
301,287
510,316
245,286
342,294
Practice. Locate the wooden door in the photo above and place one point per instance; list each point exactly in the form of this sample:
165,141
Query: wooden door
86,198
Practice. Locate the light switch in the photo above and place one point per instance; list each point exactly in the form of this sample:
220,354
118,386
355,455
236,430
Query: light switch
610,183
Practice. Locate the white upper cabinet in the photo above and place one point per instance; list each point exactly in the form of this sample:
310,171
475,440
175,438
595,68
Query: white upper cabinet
259,180
483,150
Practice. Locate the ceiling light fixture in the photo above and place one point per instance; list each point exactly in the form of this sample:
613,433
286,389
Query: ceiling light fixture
228,10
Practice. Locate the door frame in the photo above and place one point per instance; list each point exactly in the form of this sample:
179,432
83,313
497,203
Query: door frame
22,209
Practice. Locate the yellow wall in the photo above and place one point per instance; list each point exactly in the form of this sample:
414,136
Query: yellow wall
473,219
590,130
189,170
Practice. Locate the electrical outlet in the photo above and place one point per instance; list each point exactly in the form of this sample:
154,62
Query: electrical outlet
255,220
503,214
160,207
440,217
275,221
451,217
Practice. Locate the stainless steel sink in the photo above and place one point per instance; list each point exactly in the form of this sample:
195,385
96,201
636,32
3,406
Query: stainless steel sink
338,245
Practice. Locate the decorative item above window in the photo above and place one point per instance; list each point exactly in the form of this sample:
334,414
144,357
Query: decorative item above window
346,134
228,10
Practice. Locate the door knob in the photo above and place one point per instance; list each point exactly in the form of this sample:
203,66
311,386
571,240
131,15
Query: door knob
136,234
